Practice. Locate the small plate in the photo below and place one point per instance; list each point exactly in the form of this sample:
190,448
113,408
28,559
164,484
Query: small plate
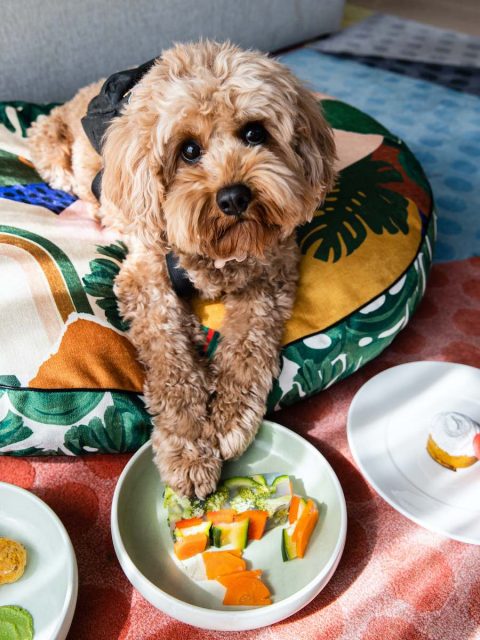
388,427
144,546
48,588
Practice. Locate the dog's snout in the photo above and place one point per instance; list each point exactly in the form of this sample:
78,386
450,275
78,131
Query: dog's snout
234,199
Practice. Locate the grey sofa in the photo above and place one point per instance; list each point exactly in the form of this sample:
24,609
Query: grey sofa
50,48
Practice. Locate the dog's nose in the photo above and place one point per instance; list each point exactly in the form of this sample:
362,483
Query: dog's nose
234,199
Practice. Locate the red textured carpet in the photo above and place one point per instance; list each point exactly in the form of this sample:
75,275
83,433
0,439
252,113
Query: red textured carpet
396,581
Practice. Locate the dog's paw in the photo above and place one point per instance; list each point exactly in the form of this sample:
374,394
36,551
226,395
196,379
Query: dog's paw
191,469
233,442
204,475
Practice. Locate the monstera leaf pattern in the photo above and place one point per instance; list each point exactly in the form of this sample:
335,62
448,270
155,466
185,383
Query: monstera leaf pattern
25,114
99,283
124,427
349,212
71,423
317,362
13,430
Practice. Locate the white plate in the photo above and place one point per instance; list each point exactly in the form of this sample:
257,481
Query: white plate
48,588
388,426
144,546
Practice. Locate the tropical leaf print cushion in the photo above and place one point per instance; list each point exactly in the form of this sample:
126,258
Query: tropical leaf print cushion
69,379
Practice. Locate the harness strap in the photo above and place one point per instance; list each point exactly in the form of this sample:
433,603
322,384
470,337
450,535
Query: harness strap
181,283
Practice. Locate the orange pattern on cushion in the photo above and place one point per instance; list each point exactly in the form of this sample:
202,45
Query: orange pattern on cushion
53,275
79,361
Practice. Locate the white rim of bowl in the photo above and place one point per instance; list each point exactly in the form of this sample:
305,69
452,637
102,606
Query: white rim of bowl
70,600
124,557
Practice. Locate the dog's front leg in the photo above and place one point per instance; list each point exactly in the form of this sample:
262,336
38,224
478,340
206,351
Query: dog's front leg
247,361
176,388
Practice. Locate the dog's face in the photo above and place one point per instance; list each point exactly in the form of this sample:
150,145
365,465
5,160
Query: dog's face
220,151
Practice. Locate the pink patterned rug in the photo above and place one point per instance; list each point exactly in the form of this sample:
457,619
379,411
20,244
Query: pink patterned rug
396,581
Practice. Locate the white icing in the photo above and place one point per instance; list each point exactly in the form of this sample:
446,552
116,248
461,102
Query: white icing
454,432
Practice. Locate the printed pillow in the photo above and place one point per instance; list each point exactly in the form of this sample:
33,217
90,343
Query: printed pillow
69,380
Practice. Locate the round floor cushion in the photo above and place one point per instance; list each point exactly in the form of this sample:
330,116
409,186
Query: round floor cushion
69,379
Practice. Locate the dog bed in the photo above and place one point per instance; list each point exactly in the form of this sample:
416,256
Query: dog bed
69,380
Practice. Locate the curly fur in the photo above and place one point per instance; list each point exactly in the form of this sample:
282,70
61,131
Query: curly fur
203,412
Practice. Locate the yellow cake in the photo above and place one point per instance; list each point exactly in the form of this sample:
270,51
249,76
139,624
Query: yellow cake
13,558
450,441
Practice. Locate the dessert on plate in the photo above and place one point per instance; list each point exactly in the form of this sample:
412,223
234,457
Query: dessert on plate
453,440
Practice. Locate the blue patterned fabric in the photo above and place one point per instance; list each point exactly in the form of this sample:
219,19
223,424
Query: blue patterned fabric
441,126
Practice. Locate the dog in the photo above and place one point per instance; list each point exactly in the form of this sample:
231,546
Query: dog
218,155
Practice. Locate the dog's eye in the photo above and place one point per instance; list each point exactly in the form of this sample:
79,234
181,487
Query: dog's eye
253,133
191,151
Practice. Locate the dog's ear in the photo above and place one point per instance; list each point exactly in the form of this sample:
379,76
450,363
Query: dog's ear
314,144
132,177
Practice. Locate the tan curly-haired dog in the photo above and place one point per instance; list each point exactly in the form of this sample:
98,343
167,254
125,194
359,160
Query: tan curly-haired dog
219,155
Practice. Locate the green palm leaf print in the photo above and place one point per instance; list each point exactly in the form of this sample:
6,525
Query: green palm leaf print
361,201
99,282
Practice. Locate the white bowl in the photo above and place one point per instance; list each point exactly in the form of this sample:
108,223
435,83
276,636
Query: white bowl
48,588
144,546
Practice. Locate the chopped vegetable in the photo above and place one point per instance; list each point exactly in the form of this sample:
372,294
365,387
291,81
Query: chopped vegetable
231,533
297,505
269,492
220,563
295,537
188,546
217,500
304,529
289,548
223,515
241,481
245,588
180,508
203,527
282,486
257,521
188,522
231,577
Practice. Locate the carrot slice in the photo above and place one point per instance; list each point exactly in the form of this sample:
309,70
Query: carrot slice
188,522
220,563
230,578
309,507
246,589
257,521
221,516
293,511
189,546
304,533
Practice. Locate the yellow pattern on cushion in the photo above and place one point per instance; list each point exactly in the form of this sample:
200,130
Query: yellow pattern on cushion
80,360
330,291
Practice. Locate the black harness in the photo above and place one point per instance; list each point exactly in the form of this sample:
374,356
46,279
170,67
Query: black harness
101,110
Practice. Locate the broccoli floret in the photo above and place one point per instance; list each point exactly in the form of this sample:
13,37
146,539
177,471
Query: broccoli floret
168,496
271,505
215,501
197,508
244,500
180,507
262,503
